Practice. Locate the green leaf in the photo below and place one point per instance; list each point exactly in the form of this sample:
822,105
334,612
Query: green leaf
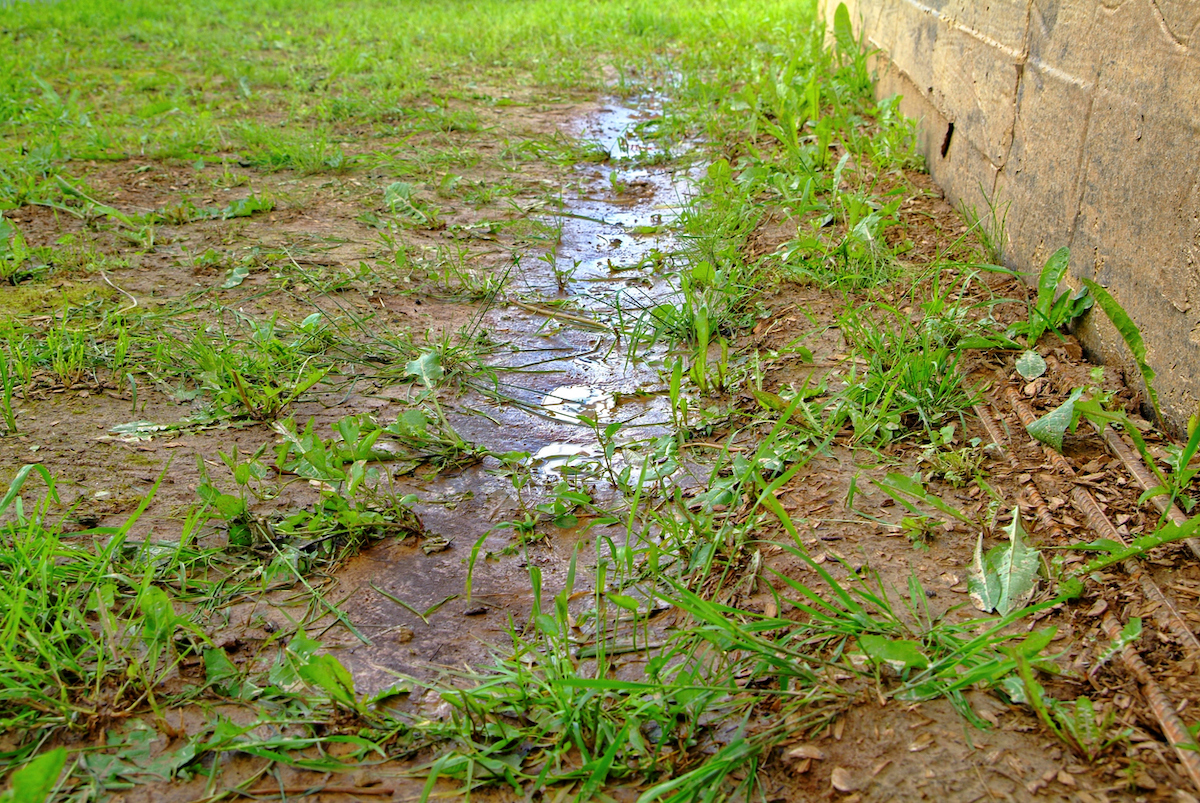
704,273
1030,365
413,425
218,669
34,782
236,276
843,31
900,654
622,601
1003,580
427,368
1130,333
160,620
14,487
982,584
1050,428
327,673
1048,281
245,207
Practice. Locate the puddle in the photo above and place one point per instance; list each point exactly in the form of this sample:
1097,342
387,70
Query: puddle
573,402
563,368
558,459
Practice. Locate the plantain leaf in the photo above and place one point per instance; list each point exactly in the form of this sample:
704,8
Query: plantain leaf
983,585
427,368
1050,428
1130,334
1003,580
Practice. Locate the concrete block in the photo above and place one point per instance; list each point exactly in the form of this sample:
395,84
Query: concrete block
1082,119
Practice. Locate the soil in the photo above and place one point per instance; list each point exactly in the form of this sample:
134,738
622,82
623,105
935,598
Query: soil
317,250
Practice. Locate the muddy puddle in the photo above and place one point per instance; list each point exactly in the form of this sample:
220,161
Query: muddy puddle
562,375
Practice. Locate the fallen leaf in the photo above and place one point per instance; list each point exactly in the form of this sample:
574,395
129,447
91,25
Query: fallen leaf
807,751
922,742
844,780
1030,365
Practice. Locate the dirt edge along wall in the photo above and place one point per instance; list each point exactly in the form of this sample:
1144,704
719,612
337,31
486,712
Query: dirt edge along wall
1079,120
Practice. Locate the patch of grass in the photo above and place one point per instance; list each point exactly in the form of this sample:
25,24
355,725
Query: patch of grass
907,377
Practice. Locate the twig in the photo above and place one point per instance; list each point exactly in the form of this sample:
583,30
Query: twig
126,293
304,791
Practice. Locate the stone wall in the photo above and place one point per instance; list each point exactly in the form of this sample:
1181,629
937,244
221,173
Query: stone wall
1080,119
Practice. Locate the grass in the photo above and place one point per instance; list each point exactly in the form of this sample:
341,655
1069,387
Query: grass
168,182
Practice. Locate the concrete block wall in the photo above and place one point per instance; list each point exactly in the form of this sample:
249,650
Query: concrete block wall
1081,119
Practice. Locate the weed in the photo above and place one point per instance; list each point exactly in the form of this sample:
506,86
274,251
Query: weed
957,467
1050,313
907,376
1075,723
258,377
991,229
17,260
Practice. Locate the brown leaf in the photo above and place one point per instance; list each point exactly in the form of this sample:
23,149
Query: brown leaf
922,742
845,780
807,751
1100,607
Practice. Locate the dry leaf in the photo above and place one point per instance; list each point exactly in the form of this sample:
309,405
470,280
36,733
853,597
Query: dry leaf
807,751
1100,607
844,780
922,742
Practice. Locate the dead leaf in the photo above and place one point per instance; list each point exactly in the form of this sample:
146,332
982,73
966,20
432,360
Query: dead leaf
1100,607
845,780
922,742
807,751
